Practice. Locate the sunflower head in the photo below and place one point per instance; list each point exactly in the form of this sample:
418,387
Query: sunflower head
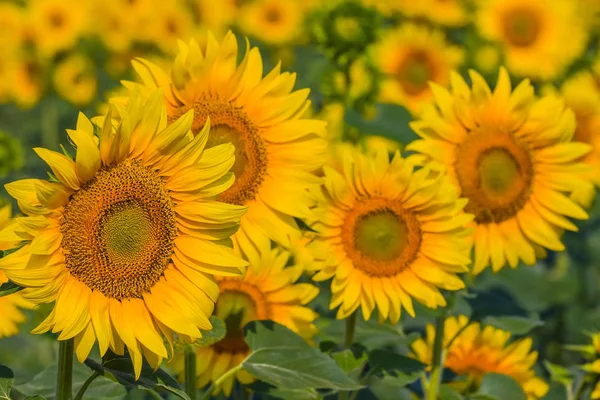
394,234
277,148
475,350
75,79
362,88
274,22
512,155
126,240
268,290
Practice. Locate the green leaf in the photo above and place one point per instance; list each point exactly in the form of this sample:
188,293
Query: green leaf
499,387
449,393
350,360
268,392
9,288
395,368
7,378
43,385
559,374
390,120
513,324
283,359
119,369
213,336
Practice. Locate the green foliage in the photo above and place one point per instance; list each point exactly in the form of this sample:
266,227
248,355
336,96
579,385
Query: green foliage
213,336
513,324
283,359
559,374
499,387
396,369
389,120
7,378
9,288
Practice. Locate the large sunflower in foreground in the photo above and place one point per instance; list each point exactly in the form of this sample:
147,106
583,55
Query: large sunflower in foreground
540,38
393,234
127,240
276,148
474,351
410,57
10,305
511,155
268,290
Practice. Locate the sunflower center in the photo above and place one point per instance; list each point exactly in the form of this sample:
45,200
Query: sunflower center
273,15
495,173
348,28
522,27
230,124
118,231
381,237
238,304
414,72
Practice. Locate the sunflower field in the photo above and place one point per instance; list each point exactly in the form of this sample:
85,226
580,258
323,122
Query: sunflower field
299,199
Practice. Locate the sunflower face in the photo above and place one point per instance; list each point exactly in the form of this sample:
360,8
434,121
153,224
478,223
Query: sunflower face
476,350
391,235
410,57
511,155
529,33
126,243
268,290
276,149
272,21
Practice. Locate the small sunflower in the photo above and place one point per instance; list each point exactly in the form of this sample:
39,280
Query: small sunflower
511,155
10,305
410,57
12,21
474,350
170,21
443,12
128,239
25,75
75,79
274,22
268,290
540,38
56,24
393,234
277,149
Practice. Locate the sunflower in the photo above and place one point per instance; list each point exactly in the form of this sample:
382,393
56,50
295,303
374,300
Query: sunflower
12,34
268,290
56,24
410,57
9,305
442,12
540,38
25,75
170,22
393,234
126,241
511,155
275,22
276,148
75,79
474,350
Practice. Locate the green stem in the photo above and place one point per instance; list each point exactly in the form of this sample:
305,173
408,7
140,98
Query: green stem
190,372
64,379
350,328
208,392
220,381
49,119
437,362
85,385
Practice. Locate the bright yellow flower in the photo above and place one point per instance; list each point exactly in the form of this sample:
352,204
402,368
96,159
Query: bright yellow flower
57,24
511,155
540,38
170,22
393,234
9,305
268,290
442,12
75,79
24,80
127,242
13,29
274,22
473,350
217,16
276,148
113,25
410,57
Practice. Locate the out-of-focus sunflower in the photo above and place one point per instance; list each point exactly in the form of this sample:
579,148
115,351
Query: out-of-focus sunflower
170,22
217,16
268,290
126,242
362,88
114,26
25,75
274,22
10,305
11,159
13,30
277,149
474,350
511,155
410,57
393,234
540,38
442,12
56,24
75,79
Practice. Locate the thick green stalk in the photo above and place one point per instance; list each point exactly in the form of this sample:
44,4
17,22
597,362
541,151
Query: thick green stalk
438,359
350,328
64,379
190,372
